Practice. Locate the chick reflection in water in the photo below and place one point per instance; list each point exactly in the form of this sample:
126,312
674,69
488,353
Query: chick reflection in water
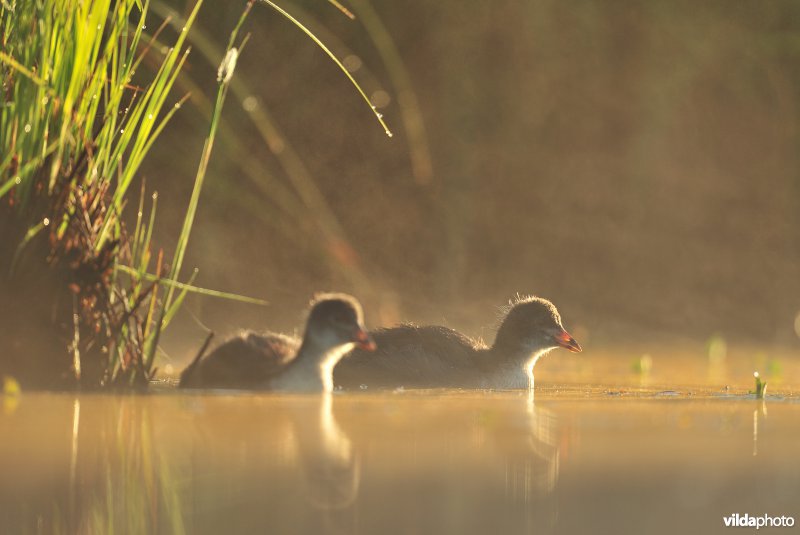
532,475
328,460
268,464
454,462
544,448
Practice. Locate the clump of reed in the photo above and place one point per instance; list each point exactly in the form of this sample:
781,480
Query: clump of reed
76,122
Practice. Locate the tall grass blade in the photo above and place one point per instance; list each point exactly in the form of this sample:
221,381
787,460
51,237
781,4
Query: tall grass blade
336,60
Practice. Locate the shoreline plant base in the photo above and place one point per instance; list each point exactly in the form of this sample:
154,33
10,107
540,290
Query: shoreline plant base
75,124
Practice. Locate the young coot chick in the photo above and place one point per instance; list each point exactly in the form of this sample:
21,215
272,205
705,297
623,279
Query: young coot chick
273,361
428,357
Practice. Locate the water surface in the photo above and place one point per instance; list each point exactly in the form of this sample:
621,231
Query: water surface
582,460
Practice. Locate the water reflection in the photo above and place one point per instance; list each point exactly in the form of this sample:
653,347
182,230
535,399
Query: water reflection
85,465
244,463
268,461
760,412
532,471
327,458
364,463
424,462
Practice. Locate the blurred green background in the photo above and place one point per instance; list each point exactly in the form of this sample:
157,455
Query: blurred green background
636,162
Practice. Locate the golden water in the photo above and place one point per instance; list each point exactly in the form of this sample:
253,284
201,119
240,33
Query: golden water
578,460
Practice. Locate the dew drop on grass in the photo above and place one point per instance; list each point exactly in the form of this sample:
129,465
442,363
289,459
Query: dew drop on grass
18,180
45,222
121,130
177,105
389,133
27,128
150,116
144,27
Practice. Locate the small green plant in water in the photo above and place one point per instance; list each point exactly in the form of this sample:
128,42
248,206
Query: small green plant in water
761,386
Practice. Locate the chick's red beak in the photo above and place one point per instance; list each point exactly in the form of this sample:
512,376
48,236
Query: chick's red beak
363,340
565,340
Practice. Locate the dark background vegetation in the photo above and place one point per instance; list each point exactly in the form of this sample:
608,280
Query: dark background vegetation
636,162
